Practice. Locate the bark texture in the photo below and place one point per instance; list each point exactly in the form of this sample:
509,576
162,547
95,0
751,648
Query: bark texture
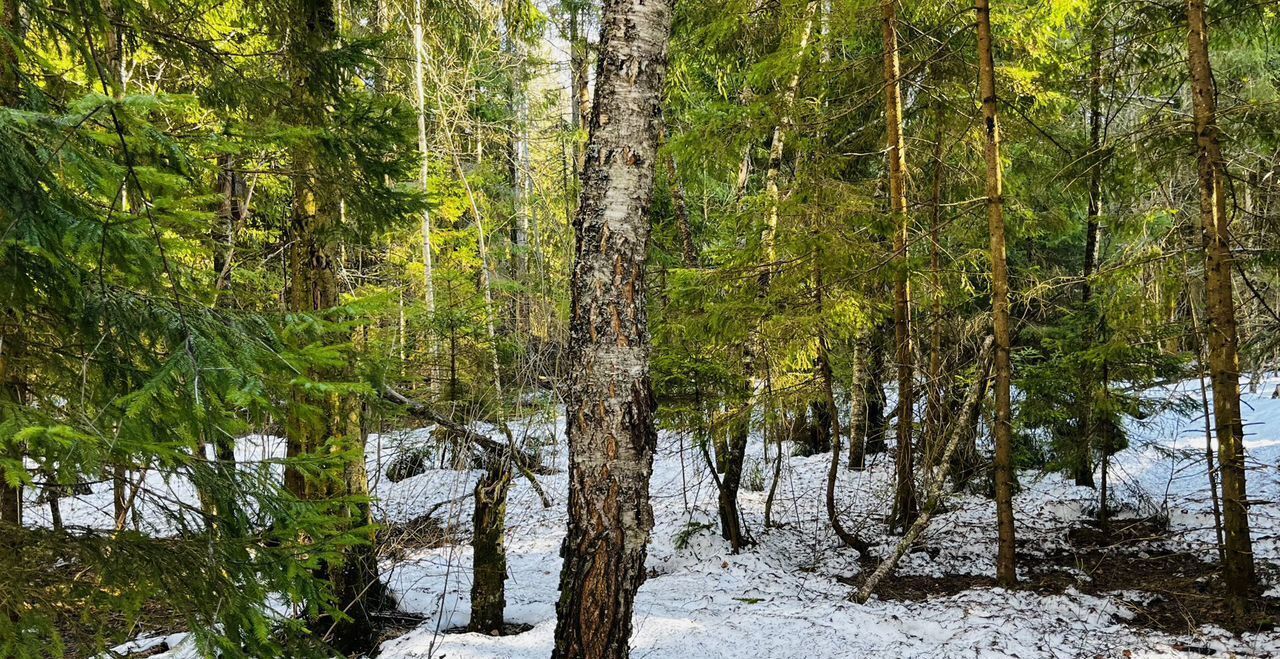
489,573
1224,338
1006,571
610,402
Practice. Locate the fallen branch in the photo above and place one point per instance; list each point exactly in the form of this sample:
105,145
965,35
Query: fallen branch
971,403
524,462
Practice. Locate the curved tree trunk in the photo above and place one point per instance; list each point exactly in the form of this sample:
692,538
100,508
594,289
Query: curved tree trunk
609,396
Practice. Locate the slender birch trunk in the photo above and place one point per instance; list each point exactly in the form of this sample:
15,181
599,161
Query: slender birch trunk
777,144
424,151
521,184
1088,425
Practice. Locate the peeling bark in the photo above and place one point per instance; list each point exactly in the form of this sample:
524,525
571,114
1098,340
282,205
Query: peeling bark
610,403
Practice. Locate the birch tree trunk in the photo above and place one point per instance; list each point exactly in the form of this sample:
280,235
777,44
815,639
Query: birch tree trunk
428,273
1224,339
1006,570
610,402
905,507
521,184
777,145
1084,465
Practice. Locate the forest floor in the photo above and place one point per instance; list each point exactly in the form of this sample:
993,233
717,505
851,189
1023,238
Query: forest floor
1143,587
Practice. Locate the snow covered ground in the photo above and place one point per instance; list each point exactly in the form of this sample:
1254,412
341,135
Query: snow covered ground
783,597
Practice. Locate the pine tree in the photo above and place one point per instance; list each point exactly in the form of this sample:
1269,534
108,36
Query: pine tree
1224,359
1006,570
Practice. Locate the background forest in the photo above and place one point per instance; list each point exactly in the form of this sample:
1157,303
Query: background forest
246,241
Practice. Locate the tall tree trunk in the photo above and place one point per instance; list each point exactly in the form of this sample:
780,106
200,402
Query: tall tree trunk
1088,426
521,184
609,397
112,75
905,507
933,414
777,146
312,286
1224,339
424,173
1006,571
